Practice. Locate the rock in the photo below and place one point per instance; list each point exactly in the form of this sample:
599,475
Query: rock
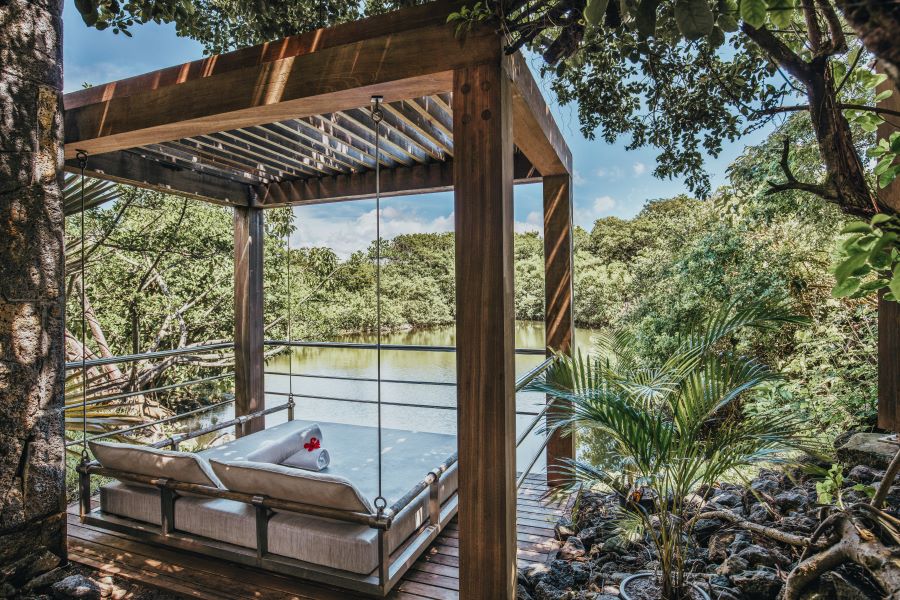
733,564
76,586
534,573
545,591
727,499
764,486
581,572
590,535
704,528
759,556
864,474
798,524
841,588
522,593
792,499
564,529
561,575
867,449
718,546
572,549
761,584
758,513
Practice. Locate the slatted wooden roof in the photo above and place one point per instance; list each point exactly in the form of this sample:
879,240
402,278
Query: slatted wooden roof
289,122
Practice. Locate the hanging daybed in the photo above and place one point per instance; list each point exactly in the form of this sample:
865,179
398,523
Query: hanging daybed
237,502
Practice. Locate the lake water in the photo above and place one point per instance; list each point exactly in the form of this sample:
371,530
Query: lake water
318,394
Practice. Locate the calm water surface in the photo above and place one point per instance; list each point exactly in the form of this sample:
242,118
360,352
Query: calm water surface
317,393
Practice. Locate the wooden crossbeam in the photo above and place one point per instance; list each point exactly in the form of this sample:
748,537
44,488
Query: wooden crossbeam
399,181
132,169
534,130
304,79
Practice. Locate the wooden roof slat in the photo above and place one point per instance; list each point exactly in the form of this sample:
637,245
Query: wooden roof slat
198,161
295,153
300,128
353,127
392,136
305,162
406,122
216,158
217,148
422,105
335,133
246,148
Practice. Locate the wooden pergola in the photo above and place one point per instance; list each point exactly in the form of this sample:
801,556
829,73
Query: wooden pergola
286,123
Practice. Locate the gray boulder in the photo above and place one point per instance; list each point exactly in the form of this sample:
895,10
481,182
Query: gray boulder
76,587
760,584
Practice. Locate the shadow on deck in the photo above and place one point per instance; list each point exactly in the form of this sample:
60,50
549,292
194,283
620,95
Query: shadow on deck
435,575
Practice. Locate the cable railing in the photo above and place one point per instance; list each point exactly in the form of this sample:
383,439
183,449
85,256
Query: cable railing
174,440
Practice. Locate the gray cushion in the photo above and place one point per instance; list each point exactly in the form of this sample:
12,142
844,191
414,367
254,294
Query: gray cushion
144,460
287,483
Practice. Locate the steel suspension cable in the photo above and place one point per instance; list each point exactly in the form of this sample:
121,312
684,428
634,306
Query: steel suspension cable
377,116
82,164
290,317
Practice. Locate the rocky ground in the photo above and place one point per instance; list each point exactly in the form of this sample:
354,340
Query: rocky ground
726,561
80,583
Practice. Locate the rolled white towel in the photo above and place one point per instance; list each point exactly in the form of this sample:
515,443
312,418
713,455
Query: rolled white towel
311,438
314,460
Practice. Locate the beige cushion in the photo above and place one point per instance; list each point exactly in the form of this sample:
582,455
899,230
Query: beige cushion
135,502
296,485
144,460
217,519
338,544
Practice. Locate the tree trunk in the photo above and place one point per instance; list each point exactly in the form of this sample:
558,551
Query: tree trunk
845,174
32,309
877,23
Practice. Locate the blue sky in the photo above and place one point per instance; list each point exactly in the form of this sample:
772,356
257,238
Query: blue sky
608,179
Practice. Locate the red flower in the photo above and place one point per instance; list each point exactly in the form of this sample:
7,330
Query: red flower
312,444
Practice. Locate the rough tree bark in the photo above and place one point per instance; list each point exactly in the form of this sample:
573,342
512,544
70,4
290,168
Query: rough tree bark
32,498
877,23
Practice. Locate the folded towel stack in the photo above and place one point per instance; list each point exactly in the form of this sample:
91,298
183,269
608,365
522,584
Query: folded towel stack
312,456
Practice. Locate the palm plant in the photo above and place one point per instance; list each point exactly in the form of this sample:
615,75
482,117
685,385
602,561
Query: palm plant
672,428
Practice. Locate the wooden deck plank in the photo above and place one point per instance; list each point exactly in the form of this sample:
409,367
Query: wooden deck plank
435,576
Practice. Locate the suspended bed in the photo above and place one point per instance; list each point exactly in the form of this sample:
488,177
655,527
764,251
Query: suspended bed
240,502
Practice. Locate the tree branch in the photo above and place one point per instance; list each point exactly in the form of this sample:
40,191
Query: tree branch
823,191
842,106
779,52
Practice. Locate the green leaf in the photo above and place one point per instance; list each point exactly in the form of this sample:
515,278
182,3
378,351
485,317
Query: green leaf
727,23
645,18
694,18
856,227
880,218
845,288
594,11
894,285
781,13
716,37
754,12
850,266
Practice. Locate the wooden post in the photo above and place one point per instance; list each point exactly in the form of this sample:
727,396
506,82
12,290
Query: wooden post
889,312
482,174
559,322
248,316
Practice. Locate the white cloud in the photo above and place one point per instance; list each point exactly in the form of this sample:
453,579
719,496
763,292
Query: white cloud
611,173
600,207
533,222
578,178
639,168
347,235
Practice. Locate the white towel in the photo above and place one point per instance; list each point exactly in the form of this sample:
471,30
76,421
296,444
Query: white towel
307,435
316,460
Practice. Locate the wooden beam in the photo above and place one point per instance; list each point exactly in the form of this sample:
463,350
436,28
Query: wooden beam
889,312
559,321
405,64
399,181
145,172
248,315
534,129
482,128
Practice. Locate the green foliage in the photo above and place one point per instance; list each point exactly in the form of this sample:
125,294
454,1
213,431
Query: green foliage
674,425
870,259
830,488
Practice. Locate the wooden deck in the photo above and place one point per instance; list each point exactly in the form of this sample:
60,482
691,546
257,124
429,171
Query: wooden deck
435,576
